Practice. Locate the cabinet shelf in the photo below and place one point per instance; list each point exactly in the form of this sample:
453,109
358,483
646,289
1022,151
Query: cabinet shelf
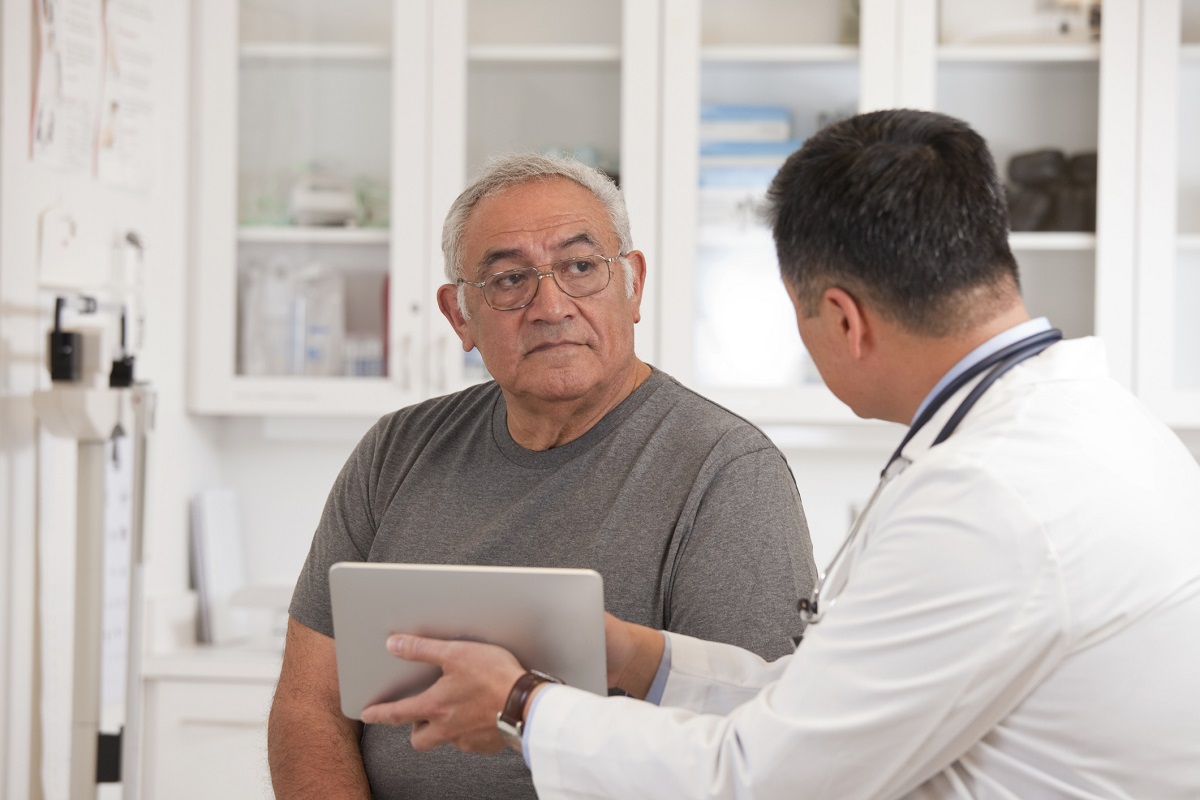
1189,242
1036,240
300,234
1191,52
312,51
540,53
795,54
1021,53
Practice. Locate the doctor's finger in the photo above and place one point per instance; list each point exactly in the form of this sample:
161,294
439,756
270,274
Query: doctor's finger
400,712
418,648
430,736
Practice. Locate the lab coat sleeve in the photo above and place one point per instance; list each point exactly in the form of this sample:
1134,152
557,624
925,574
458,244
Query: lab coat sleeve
715,678
953,613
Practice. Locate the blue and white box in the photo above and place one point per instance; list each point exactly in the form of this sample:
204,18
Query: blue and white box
728,123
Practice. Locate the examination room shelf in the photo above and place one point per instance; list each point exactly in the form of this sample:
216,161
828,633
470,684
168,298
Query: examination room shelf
779,54
1017,53
1032,241
302,234
313,51
216,663
563,54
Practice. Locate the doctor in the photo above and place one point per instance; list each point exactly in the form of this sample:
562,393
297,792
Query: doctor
1016,615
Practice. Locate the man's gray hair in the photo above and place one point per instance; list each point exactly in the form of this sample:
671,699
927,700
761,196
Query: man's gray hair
506,171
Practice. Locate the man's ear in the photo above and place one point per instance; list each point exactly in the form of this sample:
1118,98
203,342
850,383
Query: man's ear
447,297
635,260
850,321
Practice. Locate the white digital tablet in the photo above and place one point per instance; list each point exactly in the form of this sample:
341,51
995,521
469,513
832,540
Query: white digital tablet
551,619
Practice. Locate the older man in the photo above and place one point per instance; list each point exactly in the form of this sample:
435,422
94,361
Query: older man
578,455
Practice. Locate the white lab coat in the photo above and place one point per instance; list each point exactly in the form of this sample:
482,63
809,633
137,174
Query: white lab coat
1022,620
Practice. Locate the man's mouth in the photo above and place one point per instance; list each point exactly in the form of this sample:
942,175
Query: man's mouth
552,346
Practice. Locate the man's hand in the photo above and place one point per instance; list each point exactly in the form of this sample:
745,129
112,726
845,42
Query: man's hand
461,707
634,653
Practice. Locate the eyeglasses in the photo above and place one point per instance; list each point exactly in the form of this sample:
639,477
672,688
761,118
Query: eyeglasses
513,289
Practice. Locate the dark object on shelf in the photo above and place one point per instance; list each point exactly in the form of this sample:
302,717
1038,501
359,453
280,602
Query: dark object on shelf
1050,192
1039,168
1027,208
1094,17
1082,168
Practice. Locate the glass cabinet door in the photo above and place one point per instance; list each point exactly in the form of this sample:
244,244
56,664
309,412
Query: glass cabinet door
1034,79
750,81
299,307
1169,240
313,168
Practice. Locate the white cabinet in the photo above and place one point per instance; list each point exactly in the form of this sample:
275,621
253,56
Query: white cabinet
1042,78
205,733
1168,293
406,99
341,133
1027,77
309,288
733,73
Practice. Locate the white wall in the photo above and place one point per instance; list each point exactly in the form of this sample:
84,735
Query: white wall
179,458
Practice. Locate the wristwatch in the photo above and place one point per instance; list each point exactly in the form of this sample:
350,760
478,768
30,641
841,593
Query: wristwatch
511,721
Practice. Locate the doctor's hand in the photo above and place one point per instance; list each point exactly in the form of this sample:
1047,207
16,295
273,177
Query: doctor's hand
634,653
461,707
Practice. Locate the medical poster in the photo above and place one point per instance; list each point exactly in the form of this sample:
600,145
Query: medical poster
124,136
66,83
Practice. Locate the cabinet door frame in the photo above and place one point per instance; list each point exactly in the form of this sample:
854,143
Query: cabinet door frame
680,198
1158,215
215,387
1117,130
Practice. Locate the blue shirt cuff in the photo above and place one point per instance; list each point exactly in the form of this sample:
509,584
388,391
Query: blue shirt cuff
528,726
657,687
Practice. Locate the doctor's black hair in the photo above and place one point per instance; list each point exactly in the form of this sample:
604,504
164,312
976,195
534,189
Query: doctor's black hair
902,209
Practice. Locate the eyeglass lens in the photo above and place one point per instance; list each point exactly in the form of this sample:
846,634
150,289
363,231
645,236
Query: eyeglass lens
576,277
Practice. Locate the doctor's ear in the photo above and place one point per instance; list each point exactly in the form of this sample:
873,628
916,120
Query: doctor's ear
849,319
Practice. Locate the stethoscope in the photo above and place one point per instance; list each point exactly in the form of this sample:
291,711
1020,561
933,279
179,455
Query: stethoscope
830,584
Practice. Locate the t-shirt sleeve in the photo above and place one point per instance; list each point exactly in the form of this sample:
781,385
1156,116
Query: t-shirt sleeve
345,533
746,559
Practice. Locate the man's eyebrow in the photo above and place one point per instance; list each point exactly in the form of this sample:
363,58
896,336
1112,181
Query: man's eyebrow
579,238
515,254
496,256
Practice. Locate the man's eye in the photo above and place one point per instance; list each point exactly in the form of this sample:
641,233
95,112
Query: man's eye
510,280
579,266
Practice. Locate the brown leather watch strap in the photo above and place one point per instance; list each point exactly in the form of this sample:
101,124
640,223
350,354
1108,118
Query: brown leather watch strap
514,709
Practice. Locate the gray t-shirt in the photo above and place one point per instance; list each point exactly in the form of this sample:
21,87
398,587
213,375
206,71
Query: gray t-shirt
689,513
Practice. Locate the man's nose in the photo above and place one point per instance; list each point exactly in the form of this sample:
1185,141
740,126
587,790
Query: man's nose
551,303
